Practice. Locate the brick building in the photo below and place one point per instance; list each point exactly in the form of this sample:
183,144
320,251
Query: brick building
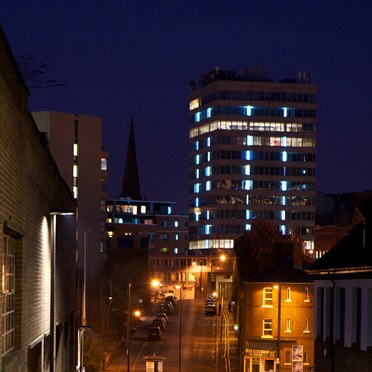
343,301
37,246
274,301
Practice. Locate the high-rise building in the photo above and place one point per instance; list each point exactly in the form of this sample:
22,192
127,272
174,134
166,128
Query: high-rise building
75,142
252,156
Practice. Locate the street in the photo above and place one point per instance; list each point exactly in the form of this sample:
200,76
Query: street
205,345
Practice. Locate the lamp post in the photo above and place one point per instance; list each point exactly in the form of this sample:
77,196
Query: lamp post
180,329
278,287
155,283
54,214
128,326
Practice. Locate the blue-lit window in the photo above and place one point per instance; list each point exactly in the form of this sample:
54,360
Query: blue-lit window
208,142
248,155
209,112
248,214
282,200
197,202
208,186
282,229
169,210
207,215
282,215
248,110
175,223
208,171
284,156
249,140
197,188
247,170
197,117
208,229
176,237
175,250
208,156
247,185
196,145
197,217
248,226
284,185
197,173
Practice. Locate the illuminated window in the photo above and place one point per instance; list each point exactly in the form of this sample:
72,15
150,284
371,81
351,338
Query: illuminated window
75,191
175,250
164,250
267,328
74,170
143,209
306,326
288,295
288,326
194,104
176,237
75,149
8,288
103,164
307,298
175,223
267,300
208,185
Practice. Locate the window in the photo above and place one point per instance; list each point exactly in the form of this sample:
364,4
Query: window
288,326
103,164
267,297
267,328
288,295
307,296
163,236
8,287
306,326
175,223
163,224
176,237
287,357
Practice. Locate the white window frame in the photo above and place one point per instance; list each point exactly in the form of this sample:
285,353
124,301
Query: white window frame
267,332
267,297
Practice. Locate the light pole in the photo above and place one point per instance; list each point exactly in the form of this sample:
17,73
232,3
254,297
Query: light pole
180,330
128,326
155,283
278,287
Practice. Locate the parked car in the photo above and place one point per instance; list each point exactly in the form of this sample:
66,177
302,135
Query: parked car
172,299
162,315
154,333
167,305
159,322
165,309
210,310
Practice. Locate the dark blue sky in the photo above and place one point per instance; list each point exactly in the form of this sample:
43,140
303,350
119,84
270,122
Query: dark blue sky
123,58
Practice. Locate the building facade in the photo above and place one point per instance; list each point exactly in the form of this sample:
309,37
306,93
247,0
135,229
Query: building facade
252,156
40,321
343,301
75,142
153,228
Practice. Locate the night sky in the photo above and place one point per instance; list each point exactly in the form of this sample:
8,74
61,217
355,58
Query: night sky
119,58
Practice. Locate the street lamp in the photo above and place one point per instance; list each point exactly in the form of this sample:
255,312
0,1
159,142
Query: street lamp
180,329
278,287
155,283
128,326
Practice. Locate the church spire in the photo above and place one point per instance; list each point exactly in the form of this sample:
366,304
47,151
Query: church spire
131,185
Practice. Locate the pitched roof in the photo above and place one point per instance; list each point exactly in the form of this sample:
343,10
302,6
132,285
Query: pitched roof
351,254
